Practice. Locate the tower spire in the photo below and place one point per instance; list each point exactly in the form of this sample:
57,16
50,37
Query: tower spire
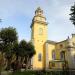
38,11
39,17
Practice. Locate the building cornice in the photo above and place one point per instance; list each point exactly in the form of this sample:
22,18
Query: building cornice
39,16
61,41
51,42
40,22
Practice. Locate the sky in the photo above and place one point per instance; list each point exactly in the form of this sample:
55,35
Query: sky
19,14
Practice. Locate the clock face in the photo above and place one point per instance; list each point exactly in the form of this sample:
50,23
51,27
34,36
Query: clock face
40,31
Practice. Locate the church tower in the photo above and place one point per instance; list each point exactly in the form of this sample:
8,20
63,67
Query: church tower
39,37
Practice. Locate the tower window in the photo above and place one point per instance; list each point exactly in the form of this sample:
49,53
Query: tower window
62,55
39,57
53,55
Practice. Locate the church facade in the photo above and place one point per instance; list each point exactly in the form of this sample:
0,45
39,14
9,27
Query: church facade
50,54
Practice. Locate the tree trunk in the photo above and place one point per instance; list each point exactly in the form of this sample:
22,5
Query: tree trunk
1,62
9,64
27,64
0,67
19,64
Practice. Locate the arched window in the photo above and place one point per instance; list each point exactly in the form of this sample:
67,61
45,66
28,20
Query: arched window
39,57
62,55
53,55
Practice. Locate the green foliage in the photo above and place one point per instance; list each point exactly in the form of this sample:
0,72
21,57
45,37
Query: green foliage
1,47
72,18
10,46
8,35
30,49
26,49
24,52
22,48
16,48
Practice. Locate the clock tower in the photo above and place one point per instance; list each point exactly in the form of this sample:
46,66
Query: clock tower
38,38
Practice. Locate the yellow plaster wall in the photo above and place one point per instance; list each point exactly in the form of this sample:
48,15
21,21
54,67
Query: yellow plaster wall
39,41
60,48
51,47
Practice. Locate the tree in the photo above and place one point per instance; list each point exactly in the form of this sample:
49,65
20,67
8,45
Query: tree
9,37
30,53
30,49
10,46
22,51
19,50
14,64
26,51
22,48
16,50
72,18
1,45
1,54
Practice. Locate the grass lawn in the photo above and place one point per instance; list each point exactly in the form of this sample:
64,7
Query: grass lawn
38,73
24,73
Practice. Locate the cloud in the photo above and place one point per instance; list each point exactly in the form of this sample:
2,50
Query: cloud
58,17
56,12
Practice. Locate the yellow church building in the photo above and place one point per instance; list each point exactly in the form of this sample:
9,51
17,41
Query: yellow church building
50,54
